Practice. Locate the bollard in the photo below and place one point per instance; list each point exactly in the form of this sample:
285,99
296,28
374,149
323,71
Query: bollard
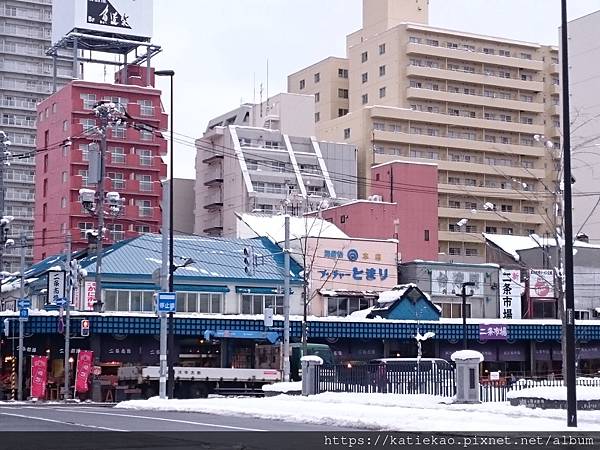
467,375
310,365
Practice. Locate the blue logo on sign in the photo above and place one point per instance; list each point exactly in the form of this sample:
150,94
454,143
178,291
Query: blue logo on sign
352,255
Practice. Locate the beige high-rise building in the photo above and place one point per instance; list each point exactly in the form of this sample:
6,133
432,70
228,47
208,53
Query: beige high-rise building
480,107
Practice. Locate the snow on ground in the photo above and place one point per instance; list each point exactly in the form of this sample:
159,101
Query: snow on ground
556,393
284,386
380,412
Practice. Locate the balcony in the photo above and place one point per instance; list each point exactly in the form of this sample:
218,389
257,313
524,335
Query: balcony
479,57
18,122
213,224
496,216
474,78
487,192
146,163
450,236
35,15
146,213
213,200
475,100
23,86
137,187
18,104
213,159
213,176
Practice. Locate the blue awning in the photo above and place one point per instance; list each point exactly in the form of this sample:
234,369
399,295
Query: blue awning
153,287
259,290
196,288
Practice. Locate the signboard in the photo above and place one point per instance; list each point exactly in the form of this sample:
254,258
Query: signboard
84,369
131,18
449,282
39,376
24,314
541,283
510,294
56,285
24,303
89,296
494,376
166,302
493,332
268,312
270,336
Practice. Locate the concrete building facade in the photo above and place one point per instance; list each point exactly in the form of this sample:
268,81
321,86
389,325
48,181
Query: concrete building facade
476,105
244,168
133,162
25,80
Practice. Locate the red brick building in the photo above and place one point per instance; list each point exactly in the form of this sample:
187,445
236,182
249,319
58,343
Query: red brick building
134,167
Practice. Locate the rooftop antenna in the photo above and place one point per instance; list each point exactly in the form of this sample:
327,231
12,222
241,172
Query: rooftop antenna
260,97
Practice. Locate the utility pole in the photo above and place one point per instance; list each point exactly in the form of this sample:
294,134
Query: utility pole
103,114
286,301
463,294
568,228
23,243
164,286
4,144
71,279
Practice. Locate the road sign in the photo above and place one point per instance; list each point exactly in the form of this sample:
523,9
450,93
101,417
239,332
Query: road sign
24,303
24,314
166,302
61,301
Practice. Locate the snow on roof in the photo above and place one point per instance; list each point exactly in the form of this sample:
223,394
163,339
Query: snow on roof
463,355
513,244
273,227
401,161
361,313
313,358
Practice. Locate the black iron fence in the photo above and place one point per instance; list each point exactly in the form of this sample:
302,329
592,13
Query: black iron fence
401,378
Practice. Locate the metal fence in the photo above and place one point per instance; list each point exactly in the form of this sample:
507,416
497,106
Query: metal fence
496,391
388,379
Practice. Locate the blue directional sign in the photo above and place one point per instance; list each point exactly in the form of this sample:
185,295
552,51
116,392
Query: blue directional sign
61,301
24,303
24,314
166,302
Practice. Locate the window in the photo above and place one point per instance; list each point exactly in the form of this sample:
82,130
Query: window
506,208
364,57
343,93
302,84
426,235
544,310
342,112
343,73
89,100
488,51
454,251
582,315
365,99
116,232
63,202
317,116
470,205
528,209
504,52
343,306
454,203
89,125
525,55
83,227
365,77
491,230
347,133
470,182
381,49
471,252
255,304
433,42
117,155
142,229
145,156
64,177
144,135
117,179
382,92
145,182
414,40
317,97
317,77
381,71
379,149
136,301
507,231
83,173
453,180
144,207
453,310
471,228
380,126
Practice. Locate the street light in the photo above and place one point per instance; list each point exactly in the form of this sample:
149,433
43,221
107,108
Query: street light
463,294
171,346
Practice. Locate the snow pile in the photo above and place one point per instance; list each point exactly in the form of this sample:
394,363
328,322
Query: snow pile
285,386
379,412
314,358
463,355
556,393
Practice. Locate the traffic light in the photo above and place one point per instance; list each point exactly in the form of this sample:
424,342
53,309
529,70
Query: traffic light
248,261
6,327
85,327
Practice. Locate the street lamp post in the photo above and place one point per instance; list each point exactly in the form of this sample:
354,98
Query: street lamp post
171,332
463,294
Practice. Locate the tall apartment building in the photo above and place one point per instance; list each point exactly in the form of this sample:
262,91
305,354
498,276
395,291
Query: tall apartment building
133,162
25,80
478,106
584,89
261,158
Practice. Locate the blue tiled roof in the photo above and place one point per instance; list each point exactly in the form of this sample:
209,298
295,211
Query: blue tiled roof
215,259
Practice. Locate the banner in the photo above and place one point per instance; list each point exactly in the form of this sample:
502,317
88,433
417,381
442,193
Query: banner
89,296
39,376
449,282
541,283
510,294
56,285
85,359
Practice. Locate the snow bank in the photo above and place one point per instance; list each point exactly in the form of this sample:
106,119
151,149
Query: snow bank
462,355
556,393
314,358
285,386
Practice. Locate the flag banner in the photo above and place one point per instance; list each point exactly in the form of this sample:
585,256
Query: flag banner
84,369
39,376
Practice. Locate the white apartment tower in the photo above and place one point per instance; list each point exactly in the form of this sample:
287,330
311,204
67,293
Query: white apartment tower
480,107
264,158
25,79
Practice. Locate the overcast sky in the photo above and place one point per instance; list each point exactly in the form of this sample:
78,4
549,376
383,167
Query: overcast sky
216,48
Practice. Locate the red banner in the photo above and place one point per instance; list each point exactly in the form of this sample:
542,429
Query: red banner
39,376
84,369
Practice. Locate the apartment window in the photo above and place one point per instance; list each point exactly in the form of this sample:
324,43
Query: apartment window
364,57
83,173
145,182
526,77
317,77
83,227
365,77
317,97
65,125
382,92
527,164
317,117
365,99
528,209
471,252
454,310
426,235
453,228
347,133
433,42
342,112
582,315
527,120
343,93
506,208
454,203
504,52
116,232
145,207
117,155
507,231
141,229
89,100
489,51
89,125
525,55
144,135
381,71
505,140
470,205
343,73
381,49
145,156
45,163
117,179
379,149
380,126
416,84
471,229
470,182
453,180
256,304
454,251
491,230
453,112
302,84
526,98
395,128
453,45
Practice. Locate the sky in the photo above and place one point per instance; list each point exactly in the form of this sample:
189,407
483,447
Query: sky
219,49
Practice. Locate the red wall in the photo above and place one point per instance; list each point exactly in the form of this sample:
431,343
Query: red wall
410,198
59,119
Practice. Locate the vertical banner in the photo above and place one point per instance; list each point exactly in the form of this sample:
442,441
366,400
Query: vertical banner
84,369
56,285
39,376
89,296
510,294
